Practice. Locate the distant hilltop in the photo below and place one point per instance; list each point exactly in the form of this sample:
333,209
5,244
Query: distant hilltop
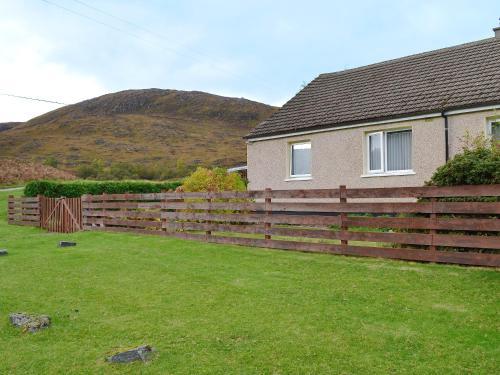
139,126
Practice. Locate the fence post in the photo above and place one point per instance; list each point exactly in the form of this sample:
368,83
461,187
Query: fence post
163,216
10,206
209,212
267,207
104,202
39,203
433,219
343,215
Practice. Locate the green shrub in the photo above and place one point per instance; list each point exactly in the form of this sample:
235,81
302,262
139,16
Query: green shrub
477,164
217,179
51,161
71,189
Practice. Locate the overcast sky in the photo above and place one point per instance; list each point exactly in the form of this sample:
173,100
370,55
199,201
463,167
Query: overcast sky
261,50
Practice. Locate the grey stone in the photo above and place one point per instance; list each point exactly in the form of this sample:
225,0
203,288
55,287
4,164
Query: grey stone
142,353
66,243
29,323
3,252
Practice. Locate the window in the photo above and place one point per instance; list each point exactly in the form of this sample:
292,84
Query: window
389,151
494,130
300,159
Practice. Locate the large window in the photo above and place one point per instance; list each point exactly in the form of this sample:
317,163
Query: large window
300,159
389,151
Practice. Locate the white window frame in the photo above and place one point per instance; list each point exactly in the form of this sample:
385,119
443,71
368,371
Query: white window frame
383,155
489,128
290,161
382,151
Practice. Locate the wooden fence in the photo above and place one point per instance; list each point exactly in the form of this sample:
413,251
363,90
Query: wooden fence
23,211
324,220
63,215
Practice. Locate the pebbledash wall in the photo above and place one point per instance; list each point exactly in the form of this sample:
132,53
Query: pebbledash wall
339,157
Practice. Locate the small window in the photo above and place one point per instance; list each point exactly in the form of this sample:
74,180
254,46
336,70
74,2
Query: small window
389,151
300,165
375,152
495,130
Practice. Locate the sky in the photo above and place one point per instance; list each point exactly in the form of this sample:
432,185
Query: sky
71,50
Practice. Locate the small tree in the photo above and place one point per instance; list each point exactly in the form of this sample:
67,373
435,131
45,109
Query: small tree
477,164
217,179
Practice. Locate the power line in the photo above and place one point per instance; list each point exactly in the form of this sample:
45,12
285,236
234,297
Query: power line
33,99
160,36
140,27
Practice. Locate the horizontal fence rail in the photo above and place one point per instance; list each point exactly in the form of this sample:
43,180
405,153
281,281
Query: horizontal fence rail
362,222
23,211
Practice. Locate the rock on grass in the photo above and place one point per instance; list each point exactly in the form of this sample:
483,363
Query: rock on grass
29,323
141,353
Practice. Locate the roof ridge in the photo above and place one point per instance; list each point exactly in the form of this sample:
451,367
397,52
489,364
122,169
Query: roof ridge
409,57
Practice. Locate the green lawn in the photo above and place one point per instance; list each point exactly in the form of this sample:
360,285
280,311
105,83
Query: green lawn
210,308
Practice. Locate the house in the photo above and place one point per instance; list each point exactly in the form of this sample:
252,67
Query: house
388,124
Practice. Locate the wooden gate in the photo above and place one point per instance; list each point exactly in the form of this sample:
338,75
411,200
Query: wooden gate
62,215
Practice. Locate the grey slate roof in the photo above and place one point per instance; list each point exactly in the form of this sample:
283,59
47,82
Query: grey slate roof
467,75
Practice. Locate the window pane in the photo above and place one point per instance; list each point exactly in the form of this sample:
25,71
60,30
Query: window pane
375,141
399,150
495,130
301,159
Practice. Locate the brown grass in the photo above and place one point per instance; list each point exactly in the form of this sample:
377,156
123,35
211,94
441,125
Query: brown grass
13,171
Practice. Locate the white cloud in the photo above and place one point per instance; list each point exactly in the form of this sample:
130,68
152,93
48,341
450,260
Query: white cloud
26,69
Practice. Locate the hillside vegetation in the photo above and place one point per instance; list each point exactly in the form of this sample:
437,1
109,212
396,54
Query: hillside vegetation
14,171
150,126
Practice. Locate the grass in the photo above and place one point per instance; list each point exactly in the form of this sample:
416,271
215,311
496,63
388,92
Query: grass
214,309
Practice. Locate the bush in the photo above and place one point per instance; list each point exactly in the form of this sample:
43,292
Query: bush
477,164
71,189
217,179
51,161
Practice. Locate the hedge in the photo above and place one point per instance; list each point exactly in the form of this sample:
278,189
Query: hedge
72,189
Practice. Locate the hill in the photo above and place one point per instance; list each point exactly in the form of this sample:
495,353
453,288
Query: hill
8,125
140,126
14,171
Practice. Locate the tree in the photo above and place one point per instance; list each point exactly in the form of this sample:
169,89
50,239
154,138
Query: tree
217,179
478,163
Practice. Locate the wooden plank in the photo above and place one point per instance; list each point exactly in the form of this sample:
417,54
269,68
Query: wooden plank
131,223
255,218
23,211
457,241
217,227
24,217
400,238
425,223
426,191
215,195
381,208
22,205
230,206
309,193
131,214
23,223
124,197
123,205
